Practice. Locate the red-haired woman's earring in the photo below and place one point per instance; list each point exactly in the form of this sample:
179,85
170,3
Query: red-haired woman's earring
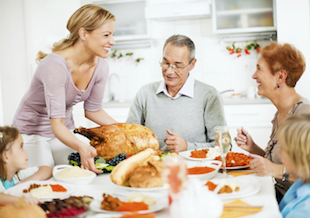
278,86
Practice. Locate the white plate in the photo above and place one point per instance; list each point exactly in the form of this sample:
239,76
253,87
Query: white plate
127,188
215,164
237,167
248,186
187,154
17,190
159,205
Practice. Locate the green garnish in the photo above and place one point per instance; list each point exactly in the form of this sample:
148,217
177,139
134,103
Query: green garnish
100,160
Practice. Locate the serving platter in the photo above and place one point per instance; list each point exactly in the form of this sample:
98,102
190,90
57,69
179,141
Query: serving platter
248,186
187,155
155,189
17,190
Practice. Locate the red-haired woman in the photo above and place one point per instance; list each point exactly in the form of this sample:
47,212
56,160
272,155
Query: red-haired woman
278,70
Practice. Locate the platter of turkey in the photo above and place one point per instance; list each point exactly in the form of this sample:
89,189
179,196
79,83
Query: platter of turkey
140,172
43,190
112,140
200,154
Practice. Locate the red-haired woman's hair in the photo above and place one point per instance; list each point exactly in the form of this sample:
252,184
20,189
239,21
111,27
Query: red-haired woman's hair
285,57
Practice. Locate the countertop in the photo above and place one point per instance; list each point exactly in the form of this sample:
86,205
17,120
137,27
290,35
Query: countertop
226,101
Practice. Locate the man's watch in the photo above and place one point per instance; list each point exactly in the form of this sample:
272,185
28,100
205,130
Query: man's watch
285,175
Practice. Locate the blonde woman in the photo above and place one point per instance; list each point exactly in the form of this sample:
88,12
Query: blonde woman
278,70
294,137
74,72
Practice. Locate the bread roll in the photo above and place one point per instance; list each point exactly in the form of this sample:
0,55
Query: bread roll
120,174
149,176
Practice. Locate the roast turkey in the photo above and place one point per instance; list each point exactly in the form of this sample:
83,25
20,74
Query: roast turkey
111,140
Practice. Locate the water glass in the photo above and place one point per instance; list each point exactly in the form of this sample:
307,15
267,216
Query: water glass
223,141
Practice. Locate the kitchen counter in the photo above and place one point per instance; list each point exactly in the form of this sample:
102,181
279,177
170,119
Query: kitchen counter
245,100
226,100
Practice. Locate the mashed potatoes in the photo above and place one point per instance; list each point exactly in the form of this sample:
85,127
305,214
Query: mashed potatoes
73,172
213,153
42,191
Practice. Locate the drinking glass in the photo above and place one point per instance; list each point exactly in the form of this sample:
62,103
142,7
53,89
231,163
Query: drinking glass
222,140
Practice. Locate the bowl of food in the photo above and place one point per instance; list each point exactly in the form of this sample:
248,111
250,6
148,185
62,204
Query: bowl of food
203,170
73,175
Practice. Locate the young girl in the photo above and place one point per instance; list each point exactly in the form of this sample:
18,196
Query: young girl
294,137
14,163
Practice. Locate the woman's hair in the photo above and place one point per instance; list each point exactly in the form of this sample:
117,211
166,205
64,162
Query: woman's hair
90,17
180,41
7,136
285,57
294,136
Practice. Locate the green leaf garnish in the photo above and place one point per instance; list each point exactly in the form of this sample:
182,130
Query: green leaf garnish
100,160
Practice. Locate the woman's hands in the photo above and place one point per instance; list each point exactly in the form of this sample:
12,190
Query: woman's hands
87,154
264,167
244,140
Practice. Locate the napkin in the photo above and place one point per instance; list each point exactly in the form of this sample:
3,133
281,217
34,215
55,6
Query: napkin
234,212
239,173
138,215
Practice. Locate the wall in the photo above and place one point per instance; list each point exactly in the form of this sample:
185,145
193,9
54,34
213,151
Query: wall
13,58
27,27
295,29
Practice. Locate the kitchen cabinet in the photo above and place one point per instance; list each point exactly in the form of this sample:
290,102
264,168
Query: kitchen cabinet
243,16
255,118
131,26
172,10
130,17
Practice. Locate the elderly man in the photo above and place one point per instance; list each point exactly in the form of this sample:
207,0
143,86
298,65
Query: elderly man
181,111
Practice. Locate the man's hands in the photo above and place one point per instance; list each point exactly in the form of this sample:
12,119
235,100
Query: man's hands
175,143
87,154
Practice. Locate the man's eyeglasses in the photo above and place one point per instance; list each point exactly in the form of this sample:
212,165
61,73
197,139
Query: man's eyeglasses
176,68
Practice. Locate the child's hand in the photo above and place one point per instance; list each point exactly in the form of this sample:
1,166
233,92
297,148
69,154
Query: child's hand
32,200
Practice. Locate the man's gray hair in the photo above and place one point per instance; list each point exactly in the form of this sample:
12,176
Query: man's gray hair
180,41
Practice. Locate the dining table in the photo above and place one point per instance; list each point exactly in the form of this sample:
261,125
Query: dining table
264,196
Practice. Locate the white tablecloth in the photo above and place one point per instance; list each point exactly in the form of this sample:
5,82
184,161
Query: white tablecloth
265,196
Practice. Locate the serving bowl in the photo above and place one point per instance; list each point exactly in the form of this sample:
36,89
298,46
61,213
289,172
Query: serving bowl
75,180
215,164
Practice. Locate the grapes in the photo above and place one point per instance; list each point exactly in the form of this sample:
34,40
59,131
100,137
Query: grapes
117,159
75,160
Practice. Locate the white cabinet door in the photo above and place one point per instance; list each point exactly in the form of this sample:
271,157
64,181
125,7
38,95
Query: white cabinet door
238,16
255,118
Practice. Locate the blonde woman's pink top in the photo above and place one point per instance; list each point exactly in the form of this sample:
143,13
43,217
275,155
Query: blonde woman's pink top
52,94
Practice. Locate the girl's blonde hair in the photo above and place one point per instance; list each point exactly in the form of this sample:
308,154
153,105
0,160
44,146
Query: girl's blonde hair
294,136
7,136
90,17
